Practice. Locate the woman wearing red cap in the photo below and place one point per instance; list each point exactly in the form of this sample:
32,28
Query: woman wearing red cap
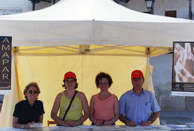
70,114
104,107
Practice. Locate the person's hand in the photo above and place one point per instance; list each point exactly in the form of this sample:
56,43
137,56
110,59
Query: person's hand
65,124
131,123
145,124
70,123
98,122
32,123
182,75
27,126
107,123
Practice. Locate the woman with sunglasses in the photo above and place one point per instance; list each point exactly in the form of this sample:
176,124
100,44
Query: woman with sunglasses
78,110
28,111
104,106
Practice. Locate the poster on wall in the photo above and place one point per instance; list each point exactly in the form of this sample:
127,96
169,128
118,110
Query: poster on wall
10,10
183,69
5,64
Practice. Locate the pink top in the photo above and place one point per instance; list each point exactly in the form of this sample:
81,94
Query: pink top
103,109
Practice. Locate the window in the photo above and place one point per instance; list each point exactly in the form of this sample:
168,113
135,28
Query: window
171,13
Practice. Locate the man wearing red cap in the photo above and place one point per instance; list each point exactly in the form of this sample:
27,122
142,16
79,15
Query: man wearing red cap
138,106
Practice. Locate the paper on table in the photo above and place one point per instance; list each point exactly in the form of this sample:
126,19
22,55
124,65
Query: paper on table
9,129
56,128
36,125
89,127
178,126
109,127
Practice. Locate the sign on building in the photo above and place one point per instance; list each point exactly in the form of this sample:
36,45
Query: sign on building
183,69
5,63
10,10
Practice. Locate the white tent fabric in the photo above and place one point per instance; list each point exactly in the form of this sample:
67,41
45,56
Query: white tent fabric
82,22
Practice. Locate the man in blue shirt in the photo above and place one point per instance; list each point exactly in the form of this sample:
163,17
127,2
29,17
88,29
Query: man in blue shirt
138,106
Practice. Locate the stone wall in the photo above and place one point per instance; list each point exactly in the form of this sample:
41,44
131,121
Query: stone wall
162,78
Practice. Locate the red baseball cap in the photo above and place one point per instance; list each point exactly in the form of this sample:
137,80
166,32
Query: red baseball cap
136,73
69,75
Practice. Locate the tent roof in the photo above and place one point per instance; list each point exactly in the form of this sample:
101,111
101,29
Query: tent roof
80,22
87,10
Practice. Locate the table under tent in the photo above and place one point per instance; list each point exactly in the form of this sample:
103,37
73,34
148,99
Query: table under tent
86,37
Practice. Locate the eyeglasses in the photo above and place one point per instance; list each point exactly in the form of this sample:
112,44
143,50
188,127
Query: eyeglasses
70,81
30,92
105,83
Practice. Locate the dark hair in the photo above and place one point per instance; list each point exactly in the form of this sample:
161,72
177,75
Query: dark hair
102,75
76,85
30,85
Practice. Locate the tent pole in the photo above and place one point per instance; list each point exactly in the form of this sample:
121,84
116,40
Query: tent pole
190,10
148,55
16,49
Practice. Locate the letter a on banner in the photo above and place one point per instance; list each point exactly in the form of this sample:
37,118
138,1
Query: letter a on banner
5,64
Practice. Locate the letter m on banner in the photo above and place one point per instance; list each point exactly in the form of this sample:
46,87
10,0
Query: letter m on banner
5,63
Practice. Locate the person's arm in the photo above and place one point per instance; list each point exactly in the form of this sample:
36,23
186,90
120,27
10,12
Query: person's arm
16,117
85,108
55,110
15,124
122,117
116,113
40,119
152,118
42,112
126,121
155,108
96,122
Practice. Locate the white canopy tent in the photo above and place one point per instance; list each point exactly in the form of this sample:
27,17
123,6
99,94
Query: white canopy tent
81,22
109,29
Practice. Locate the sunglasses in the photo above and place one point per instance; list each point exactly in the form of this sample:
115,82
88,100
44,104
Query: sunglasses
30,92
